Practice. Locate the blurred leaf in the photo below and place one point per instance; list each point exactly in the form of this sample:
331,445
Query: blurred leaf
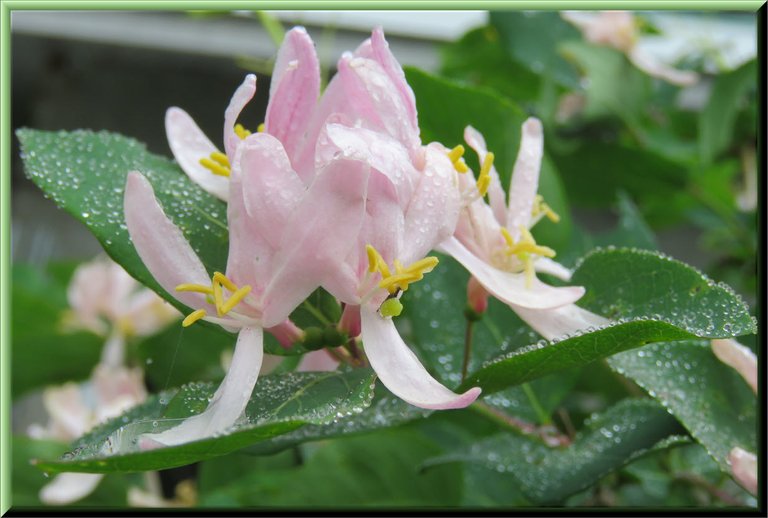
631,230
650,297
533,39
279,404
273,26
716,122
709,398
39,300
374,470
547,475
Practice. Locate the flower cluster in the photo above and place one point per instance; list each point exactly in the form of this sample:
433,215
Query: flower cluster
337,191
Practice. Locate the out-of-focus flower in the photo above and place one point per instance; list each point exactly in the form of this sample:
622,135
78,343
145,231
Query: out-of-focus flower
151,497
73,410
107,301
744,468
618,29
741,358
493,241
746,198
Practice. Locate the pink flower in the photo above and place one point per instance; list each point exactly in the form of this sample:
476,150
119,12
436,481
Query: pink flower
107,301
73,410
494,243
284,239
739,357
368,114
293,95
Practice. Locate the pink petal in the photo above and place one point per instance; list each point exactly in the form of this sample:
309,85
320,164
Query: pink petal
286,332
317,239
242,95
434,209
496,195
511,287
317,361
189,144
383,223
654,67
70,416
380,151
744,468
555,323
230,399
67,488
525,176
377,49
294,89
401,371
161,245
739,357
547,265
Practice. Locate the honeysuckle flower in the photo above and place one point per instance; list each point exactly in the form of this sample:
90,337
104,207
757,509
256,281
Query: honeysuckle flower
739,357
744,468
368,114
73,410
293,95
107,301
493,241
152,496
618,29
284,241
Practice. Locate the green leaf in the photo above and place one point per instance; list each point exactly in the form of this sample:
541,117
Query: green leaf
631,230
717,119
533,39
547,475
374,470
279,404
649,297
709,398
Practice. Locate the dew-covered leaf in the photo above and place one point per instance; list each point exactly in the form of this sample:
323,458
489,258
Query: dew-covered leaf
607,442
279,404
649,297
708,397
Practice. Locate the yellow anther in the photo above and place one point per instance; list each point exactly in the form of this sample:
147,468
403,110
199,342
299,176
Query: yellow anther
218,297
507,236
404,275
260,128
398,266
193,317
373,258
456,153
484,178
526,245
235,299
224,281
220,158
399,280
241,132
214,167
198,288
423,266
539,206
460,166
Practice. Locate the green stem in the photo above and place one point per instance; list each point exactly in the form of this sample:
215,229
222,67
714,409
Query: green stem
467,350
316,313
544,419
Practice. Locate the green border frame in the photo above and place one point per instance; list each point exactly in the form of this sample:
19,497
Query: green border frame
6,6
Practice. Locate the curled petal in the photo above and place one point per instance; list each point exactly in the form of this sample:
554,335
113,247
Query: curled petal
554,323
243,94
511,287
189,144
433,212
401,371
744,468
67,488
496,195
161,245
525,176
294,89
320,234
230,399
741,358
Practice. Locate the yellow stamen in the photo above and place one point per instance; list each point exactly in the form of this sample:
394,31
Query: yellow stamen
373,258
456,153
507,236
241,132
235,299
214,167
218,297
423,266
220,158
540,206
224,281
404,275
398,266
484,178
525,248
193,317
198,288
400,280
260,128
